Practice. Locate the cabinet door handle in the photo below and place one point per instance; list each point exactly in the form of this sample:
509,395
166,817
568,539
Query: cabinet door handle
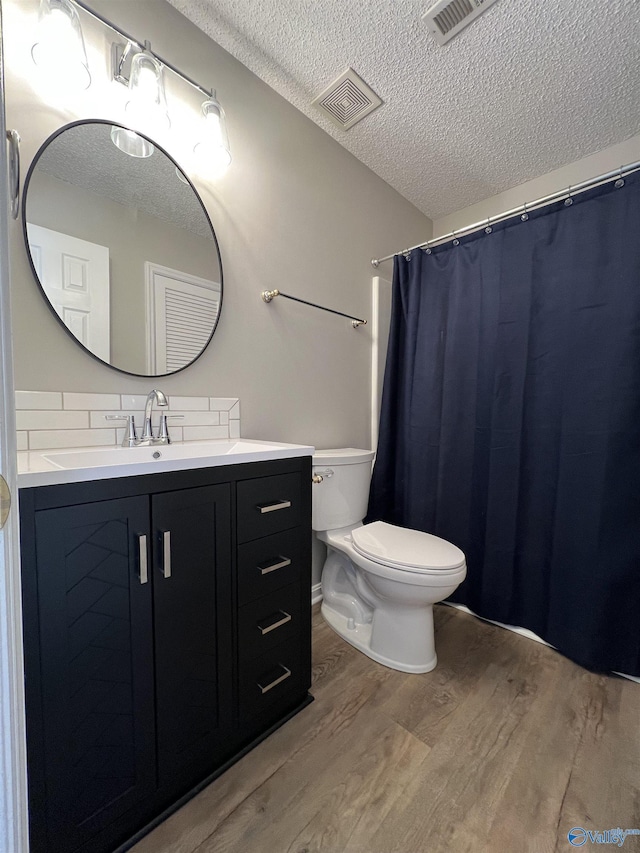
143,571
264,688
279,563
166,553
281,617
274,506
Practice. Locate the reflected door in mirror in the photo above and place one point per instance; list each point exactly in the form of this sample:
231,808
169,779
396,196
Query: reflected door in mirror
75,277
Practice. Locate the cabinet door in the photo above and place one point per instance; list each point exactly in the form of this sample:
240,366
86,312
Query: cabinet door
96,666
192,624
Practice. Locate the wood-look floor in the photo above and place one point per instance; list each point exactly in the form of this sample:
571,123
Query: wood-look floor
504,747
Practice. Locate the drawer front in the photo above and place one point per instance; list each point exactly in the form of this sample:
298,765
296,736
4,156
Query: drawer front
271,679
270,563
269,621
268,504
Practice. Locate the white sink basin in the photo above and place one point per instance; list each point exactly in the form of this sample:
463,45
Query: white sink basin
54,467
206,451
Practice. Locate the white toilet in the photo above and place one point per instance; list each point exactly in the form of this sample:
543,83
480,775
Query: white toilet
379,581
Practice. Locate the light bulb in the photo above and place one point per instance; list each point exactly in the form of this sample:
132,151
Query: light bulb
146,85
212,152
147,105
59,50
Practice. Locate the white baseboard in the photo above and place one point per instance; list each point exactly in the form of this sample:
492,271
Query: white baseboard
316,593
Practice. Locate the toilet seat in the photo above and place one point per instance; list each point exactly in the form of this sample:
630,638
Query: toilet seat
407,550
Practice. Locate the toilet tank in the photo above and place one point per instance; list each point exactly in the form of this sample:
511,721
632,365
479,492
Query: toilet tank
340,500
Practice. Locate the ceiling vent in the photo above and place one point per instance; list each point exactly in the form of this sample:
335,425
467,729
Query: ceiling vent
347,100
448,17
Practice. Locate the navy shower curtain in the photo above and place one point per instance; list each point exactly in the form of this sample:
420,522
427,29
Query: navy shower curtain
510,420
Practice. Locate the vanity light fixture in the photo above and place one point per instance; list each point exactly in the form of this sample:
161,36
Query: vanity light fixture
147,104
212,152
131,142
181,176
59,50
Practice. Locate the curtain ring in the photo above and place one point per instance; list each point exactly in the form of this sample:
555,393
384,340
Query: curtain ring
428,249
620,182
525,215
456,242
488,229
568,200
407,254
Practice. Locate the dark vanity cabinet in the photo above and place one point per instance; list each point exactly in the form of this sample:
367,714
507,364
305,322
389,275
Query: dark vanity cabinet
273,594
167,630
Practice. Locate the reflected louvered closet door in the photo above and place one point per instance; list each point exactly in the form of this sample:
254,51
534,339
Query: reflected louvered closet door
182,310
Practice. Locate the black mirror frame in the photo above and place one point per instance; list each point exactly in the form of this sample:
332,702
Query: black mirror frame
31,170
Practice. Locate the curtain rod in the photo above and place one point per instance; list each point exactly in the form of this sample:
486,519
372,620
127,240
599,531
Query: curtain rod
268,295
523,209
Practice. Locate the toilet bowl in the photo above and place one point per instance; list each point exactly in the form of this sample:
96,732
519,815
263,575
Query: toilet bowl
379,581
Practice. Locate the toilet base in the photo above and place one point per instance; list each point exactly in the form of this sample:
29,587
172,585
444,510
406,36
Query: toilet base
359,636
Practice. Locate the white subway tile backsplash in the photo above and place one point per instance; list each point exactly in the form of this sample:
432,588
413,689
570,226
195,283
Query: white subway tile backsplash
71,400
199,419
58,438
222,404
189,404
202,433
97,420
133,402
51,420
38,400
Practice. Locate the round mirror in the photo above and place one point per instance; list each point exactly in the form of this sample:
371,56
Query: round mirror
122,248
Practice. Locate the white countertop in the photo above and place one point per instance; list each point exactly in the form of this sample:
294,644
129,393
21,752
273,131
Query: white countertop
54,467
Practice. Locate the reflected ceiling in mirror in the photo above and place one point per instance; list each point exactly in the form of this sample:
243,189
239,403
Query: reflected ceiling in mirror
123,250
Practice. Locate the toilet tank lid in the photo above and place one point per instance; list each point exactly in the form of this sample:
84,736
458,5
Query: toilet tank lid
342,456
400,546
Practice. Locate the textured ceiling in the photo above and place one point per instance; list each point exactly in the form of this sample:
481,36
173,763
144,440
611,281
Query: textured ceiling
85,156
527,87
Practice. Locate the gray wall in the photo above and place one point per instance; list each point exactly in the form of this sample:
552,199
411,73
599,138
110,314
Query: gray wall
295,211
607,160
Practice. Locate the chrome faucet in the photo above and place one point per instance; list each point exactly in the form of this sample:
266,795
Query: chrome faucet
147,436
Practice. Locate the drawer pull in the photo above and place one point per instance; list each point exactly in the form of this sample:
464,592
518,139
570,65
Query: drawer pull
280,563
282,617
166,553
264,688
143,572
273,507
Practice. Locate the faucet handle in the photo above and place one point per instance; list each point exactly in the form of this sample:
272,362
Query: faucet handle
131,435
164,427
